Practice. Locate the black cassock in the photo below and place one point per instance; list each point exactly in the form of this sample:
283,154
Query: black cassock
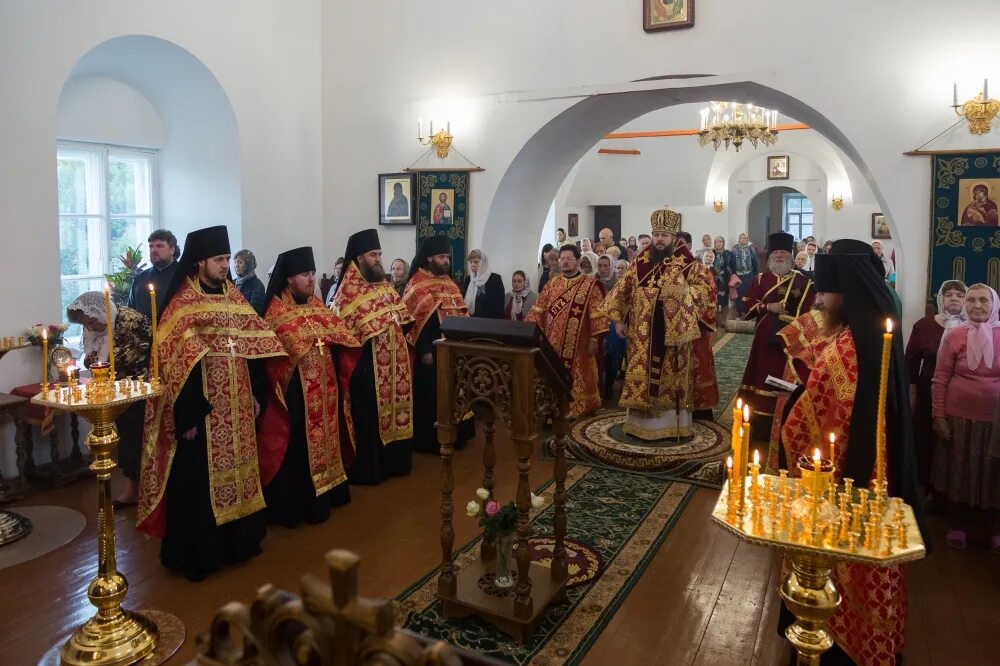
373,461
194,544
425,394
291,496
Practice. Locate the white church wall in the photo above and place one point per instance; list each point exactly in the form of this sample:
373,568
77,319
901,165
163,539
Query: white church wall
99,109
266,57
873,77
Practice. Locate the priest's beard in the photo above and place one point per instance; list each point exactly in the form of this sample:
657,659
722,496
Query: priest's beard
656,255
832,308
373,274
438,269
779,266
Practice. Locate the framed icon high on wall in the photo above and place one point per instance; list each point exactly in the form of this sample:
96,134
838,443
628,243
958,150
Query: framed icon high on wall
395,199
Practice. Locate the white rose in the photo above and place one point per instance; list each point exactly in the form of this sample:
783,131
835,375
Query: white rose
483,494
472,509
536,501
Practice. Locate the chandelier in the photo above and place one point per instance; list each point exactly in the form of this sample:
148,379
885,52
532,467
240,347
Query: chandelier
724,123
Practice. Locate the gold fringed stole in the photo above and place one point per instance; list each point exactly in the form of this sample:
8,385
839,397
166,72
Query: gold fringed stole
305,331
375,312
564,317
426,294
221,332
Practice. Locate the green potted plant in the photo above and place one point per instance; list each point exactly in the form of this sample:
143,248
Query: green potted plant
121,280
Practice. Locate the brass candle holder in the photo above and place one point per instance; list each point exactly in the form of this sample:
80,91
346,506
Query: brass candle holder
114,636
815,534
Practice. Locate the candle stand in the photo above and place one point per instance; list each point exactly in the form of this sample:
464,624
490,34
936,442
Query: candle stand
113,636
817,524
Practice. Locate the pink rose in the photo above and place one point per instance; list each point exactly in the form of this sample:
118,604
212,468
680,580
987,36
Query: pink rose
492,508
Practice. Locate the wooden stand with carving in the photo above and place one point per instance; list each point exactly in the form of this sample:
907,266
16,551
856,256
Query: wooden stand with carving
509,369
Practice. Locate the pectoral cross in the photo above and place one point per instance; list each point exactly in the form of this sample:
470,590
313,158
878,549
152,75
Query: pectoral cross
320,345
232,347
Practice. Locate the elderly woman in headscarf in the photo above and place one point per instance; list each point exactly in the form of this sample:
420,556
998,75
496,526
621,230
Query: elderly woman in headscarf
588,263
520,298
890,270
586,245
131,335
484,291
399,272
921,360
964,392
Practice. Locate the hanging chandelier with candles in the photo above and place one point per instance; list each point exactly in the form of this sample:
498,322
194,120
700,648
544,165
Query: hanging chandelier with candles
725,123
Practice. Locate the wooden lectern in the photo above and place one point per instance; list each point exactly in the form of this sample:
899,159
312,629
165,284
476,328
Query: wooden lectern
507,369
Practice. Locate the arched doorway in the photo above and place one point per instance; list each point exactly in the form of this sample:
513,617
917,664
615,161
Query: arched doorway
776,209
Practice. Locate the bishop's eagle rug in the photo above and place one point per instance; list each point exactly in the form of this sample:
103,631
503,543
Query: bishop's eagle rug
616,523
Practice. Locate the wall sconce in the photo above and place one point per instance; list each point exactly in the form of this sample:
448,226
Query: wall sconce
441,141
979,111
718,206
837,202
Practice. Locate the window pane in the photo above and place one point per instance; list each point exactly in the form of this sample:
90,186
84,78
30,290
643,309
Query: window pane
129,185
125,234
807,205
80,246
79,183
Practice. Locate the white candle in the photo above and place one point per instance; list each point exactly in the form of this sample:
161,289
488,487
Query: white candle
986,90
420,128
955,93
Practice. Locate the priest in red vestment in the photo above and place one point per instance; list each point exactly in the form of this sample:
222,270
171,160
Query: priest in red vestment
306,435
380,381
775,299
841,397
200,488
706,387
569,313
663,304
431,294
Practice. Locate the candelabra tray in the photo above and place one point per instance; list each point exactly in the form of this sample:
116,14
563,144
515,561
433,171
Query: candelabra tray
93,396
800,541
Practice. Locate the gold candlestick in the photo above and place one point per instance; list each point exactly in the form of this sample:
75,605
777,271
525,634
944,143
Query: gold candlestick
113,637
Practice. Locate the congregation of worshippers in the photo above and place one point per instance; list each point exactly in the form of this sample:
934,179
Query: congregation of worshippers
281,393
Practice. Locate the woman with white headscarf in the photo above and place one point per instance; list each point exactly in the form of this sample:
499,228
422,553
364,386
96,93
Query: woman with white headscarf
484,290
965,392
588,263
586,245
520,298
921,360
131,335
890,269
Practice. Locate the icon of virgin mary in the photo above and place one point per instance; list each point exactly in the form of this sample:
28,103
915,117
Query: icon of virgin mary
982,211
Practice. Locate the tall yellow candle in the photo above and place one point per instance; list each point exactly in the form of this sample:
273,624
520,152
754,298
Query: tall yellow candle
737,439
111,329
816,491
45,358
745,448
154,368
880,419
833,453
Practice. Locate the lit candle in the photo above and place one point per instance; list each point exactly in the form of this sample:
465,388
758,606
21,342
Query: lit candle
833,451
729,472
880,417
817,462
110,325
755,476
154,368
737,438
45,358
745,446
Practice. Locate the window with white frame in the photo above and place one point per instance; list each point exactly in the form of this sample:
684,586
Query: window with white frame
107,198
797,215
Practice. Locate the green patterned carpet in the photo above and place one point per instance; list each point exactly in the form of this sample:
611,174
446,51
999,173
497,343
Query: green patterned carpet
622,518
730,362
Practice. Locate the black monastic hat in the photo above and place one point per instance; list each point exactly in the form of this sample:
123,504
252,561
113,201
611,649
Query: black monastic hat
431,246
199,245
826,278
359,243
780,241
293,262
855,246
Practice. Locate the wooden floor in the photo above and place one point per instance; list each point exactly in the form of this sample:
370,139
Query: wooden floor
705,598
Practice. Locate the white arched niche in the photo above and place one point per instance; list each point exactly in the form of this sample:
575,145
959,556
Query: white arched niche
144,92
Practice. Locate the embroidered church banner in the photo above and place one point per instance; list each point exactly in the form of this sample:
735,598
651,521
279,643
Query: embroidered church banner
443,210
965,231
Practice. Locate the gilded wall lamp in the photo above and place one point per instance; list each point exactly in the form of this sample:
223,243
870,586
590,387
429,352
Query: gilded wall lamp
441,140
837,202
718,206
979,111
